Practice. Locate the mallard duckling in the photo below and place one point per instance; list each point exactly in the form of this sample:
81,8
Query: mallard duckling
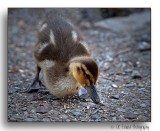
65,60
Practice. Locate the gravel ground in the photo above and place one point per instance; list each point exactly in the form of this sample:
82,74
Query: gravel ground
124,83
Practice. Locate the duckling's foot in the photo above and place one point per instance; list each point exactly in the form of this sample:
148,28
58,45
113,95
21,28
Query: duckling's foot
41,84
34,88
43,91
82,94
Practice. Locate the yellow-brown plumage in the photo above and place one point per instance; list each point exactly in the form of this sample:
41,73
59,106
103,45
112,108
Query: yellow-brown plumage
64,58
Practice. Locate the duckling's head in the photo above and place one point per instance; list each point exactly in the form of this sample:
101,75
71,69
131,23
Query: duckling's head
85,71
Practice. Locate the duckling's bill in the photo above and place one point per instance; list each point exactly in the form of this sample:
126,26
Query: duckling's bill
93,93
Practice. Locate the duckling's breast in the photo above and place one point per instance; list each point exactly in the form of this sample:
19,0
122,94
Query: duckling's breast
62,86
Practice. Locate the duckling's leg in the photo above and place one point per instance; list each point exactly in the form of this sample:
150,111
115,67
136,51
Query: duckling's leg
33,87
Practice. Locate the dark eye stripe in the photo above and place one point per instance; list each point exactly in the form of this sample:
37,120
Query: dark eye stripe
83,71
88,77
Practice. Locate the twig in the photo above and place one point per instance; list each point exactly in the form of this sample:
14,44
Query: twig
122,51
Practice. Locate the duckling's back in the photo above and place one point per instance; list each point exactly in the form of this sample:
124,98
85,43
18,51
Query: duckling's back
59,40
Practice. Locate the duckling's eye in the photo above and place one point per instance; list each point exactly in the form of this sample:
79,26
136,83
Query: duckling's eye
87,76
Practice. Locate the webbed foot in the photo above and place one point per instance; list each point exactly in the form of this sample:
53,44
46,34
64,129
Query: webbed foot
35,87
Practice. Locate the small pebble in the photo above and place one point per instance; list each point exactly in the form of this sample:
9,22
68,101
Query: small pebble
106,66
29,119
128,70
12,90
46,119
121,110
88,107
110,89
91,104
100,111
63,116
112,114
41,109
140,85
83,93
65,107
21,71
143,46
68,120
130,85
100,64
95,117
114,85
85,24
135,75
114,96
76,112
24,109
55,103
114,118
143,105
130,115
17,116
135,112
